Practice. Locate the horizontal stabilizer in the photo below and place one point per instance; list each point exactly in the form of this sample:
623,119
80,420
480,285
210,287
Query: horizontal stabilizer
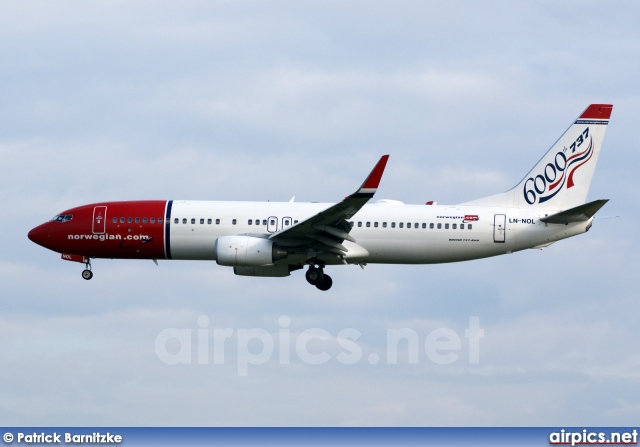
580,213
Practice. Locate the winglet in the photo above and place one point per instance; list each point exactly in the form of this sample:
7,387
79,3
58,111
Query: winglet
370,185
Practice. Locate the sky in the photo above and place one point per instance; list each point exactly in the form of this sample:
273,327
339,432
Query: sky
255,100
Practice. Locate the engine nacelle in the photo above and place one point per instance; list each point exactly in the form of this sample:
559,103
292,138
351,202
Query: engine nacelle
247,251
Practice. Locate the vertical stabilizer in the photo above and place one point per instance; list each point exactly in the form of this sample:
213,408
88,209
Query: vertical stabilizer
561,179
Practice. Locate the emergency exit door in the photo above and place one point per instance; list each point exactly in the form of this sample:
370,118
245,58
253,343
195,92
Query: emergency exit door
272,224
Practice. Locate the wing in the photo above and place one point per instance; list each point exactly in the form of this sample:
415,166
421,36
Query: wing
327,231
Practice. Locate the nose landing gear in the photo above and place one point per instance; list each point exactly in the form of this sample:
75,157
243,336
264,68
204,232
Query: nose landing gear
316,277
87,273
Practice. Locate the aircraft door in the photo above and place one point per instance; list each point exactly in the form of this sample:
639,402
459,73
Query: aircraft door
99,219
499,227
272,224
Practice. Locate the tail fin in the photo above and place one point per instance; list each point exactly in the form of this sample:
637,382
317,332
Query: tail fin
561,179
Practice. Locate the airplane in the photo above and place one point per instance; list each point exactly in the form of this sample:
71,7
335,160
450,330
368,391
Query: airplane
273,239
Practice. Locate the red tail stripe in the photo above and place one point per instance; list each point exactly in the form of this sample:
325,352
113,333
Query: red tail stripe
597,111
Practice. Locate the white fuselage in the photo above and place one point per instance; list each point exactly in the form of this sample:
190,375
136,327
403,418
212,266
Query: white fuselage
390,233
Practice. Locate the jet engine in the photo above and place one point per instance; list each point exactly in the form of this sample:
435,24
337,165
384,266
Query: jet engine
247,251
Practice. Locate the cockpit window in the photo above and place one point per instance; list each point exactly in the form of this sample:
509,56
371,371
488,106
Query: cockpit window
62,218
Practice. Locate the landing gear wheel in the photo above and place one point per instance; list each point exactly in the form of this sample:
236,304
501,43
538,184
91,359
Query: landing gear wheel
314,276
326,283
87,274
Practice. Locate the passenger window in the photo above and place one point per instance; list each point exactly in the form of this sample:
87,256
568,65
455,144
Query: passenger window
129,220
201,221
176,220
469,226
439,226
462,226
144,220
384,225
446,226
257,221
137,220
431,226
415,225
454,226
234,221
393,224
217,221
122,220
250,221
408,224
424,225
115,220
184,220
193,220
375,224
159,220
208,221
152,220
359,224
295,222
368,224
264,221
401,224
271,221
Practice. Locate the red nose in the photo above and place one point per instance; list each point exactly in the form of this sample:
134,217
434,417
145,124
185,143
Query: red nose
39,235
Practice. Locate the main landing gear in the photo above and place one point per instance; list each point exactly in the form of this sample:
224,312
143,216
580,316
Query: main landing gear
316,277
87,273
